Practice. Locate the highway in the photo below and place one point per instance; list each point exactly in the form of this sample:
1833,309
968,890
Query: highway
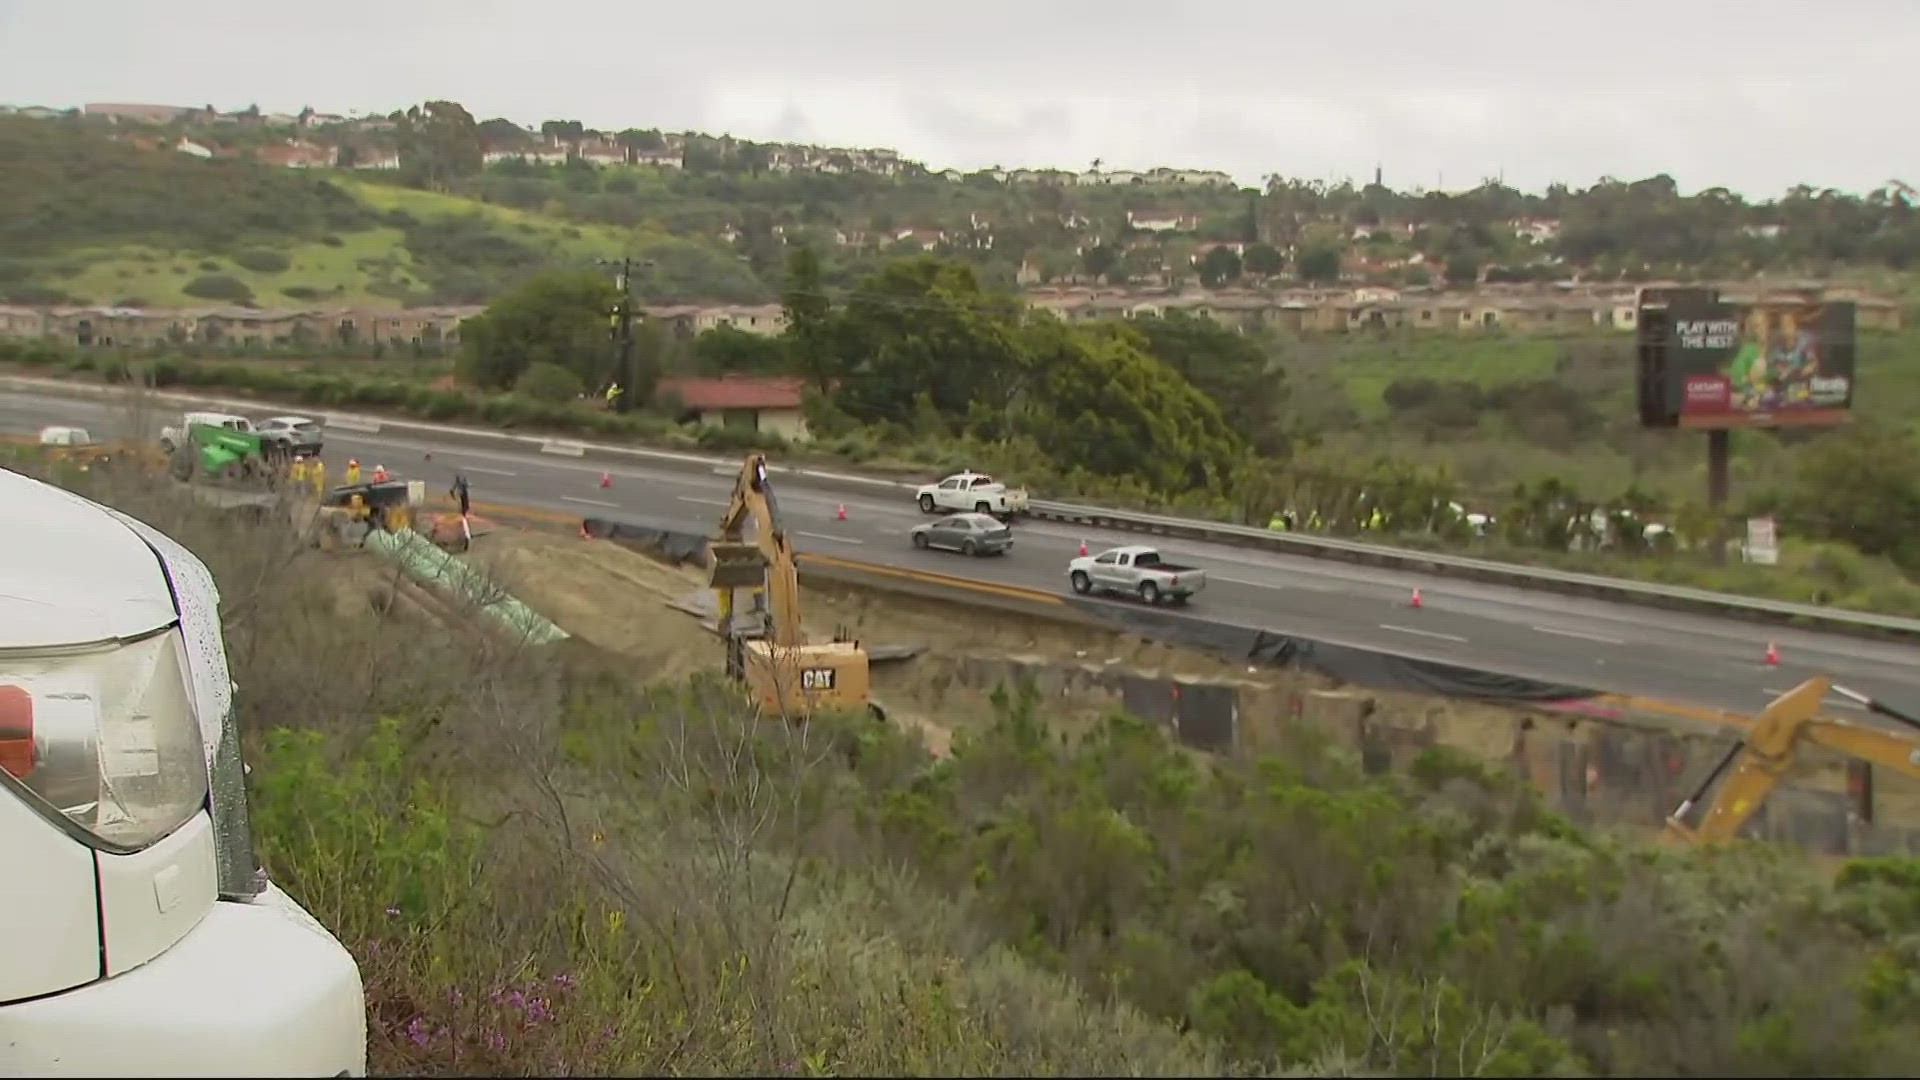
1598,644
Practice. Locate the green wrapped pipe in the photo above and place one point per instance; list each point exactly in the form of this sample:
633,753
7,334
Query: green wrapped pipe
427,564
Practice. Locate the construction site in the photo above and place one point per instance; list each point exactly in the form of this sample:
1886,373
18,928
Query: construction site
929,653
935,655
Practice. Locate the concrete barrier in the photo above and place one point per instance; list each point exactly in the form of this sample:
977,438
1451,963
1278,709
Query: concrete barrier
1540,579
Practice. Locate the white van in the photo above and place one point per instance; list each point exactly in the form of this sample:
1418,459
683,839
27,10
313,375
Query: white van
138,935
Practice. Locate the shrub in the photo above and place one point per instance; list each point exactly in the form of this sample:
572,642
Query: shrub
263,261
300,292
219,287
549,382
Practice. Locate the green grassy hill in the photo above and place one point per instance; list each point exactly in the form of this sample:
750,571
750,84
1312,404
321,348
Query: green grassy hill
85,219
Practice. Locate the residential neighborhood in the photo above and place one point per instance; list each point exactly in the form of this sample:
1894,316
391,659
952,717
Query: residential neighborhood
1514,309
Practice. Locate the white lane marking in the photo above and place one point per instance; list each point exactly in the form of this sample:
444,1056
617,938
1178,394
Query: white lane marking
1243,581
831,539
1424,633
1845,703
702,502
483,470
562,448
590,502
1577,634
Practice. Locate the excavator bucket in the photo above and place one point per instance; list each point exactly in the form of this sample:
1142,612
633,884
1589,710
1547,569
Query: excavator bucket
736,566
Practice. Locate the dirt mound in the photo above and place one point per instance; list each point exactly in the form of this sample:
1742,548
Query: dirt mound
605,595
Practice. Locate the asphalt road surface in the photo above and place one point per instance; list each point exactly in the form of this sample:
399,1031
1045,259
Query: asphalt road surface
1591,643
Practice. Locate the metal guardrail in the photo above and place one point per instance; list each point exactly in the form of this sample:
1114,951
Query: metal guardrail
1537,578
1542,579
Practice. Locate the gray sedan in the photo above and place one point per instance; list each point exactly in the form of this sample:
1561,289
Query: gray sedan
968,534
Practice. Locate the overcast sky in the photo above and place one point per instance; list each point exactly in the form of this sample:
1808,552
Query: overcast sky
1755,95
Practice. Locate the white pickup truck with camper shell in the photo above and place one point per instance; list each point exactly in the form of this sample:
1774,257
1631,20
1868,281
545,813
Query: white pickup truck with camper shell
1138,571
972,492
138,934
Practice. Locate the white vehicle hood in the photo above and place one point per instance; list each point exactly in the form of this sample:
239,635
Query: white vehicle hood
71,573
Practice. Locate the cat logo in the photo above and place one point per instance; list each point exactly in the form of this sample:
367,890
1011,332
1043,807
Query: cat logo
813,679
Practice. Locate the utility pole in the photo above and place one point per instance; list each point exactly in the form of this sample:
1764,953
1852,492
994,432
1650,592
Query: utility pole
622,333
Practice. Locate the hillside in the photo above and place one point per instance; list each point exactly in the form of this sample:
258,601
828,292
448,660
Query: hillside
85,218
431,206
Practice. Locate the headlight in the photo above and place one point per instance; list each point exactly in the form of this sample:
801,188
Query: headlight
198,600
103,740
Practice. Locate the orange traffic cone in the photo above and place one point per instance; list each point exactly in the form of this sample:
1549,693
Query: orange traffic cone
1083,549
1416,596
606,480
841,513
1773,655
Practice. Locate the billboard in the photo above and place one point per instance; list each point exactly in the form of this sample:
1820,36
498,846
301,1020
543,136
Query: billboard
1709,363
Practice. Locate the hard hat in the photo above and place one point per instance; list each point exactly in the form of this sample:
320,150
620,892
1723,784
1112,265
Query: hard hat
353,461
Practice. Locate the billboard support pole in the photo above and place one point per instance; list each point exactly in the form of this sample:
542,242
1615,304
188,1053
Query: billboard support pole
1719,474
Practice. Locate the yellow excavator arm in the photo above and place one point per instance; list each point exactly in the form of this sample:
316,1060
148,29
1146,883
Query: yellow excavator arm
783,671
1767,751
766,563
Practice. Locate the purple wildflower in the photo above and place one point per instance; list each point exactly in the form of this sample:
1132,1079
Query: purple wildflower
417,1031
565,981
496,1042
517,999
538,1010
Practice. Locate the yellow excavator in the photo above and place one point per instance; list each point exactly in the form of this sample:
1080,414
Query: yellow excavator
783,672
1763,756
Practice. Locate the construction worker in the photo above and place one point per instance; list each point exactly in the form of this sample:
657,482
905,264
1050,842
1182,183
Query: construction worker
318,473
353,471
297,472
461,496
613,391
379,474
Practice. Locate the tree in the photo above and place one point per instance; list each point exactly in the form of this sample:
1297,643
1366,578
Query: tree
559,318
811,330
1861,485
1264,260
442,142
1219,266
923,329
1463,267
1099,260
727,349
1230,368
559,131
1099,402
1320,265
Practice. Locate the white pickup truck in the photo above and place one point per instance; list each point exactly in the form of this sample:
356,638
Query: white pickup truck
972,492
174,436
1135,570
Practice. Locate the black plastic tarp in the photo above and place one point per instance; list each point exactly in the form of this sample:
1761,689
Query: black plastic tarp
671,540
1359,667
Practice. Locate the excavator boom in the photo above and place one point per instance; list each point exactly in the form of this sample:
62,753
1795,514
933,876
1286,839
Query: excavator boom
1768,749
